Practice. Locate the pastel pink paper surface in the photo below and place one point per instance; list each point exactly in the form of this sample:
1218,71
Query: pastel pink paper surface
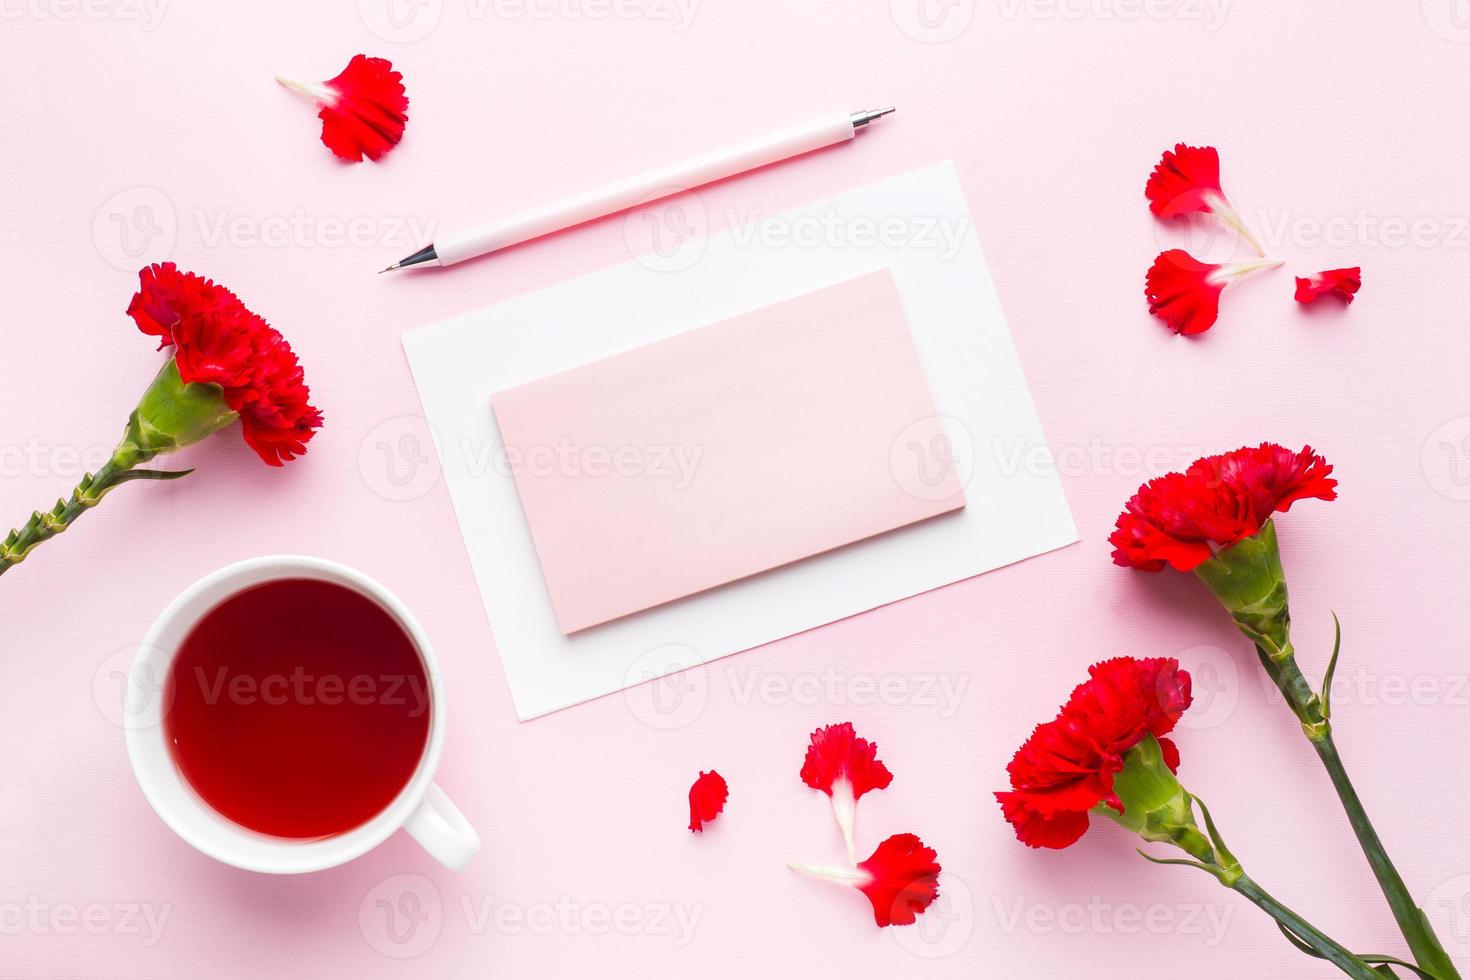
1053,114
722,452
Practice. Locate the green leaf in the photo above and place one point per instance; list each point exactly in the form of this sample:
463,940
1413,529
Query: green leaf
152,475
1331,668
1296,941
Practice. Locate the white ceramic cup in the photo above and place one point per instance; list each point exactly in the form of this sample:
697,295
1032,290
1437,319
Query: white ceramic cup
421,807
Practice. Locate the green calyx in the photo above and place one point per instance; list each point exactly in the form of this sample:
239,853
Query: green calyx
173,414
1250,583
1159,809
1248,580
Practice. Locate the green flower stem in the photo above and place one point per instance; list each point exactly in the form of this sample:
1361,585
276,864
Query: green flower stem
46,525
172,414
1315,715
1330,950
1160,810
1249,581
1412,922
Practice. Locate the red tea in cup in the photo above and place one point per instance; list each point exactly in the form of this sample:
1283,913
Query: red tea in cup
299,708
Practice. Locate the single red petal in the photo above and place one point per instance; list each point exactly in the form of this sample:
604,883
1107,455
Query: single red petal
1185,180
1183,291
903,880
363,110
706,799
370,110
836,752
1170,752
1337,282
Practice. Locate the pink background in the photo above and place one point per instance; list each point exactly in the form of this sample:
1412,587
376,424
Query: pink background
1341,129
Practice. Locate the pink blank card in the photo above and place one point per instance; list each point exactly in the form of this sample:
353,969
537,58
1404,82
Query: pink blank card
724,451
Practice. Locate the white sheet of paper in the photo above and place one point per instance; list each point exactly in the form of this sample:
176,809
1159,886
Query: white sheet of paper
916,224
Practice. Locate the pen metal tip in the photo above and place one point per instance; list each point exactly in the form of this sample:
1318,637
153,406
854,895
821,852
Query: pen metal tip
389,269
861,119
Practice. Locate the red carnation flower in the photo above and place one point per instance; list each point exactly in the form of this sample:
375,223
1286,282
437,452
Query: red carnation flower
228,365
1183,519
1067,766
706,799
364,109
1187,181
1338,282
901,879
218,341
1185,292
844,767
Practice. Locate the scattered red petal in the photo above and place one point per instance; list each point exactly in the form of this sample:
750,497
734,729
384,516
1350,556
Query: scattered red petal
836,753
1185,292
1338,282
363,110
903,880
706,799
1186,180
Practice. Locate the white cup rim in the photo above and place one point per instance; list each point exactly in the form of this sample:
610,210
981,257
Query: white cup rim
170,794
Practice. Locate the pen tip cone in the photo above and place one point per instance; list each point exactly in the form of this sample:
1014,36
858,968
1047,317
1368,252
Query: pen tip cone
389,269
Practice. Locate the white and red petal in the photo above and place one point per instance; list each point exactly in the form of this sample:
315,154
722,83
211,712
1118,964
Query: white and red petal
1337,282
1186,180
706,799
900,880
844,766
363,110
1185,292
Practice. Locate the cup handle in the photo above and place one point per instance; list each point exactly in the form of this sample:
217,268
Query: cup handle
442,829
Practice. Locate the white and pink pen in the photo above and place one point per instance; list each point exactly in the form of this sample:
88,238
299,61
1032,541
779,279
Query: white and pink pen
644,188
